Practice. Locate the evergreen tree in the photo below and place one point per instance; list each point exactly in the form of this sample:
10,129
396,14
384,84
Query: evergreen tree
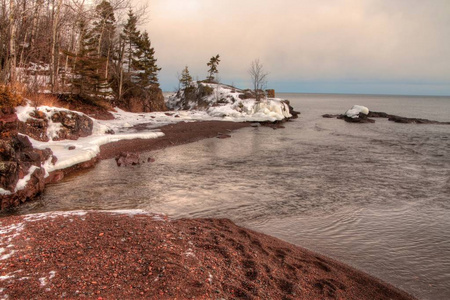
87,80
145,63
186,78
212,64
102,35
130,37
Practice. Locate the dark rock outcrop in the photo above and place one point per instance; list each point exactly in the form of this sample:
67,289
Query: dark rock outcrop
404,120
291,110
145,101
127,159
73,125
18,159
362,118
374,114
35,127
270,93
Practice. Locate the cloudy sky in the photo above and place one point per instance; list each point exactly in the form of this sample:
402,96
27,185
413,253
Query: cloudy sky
320,46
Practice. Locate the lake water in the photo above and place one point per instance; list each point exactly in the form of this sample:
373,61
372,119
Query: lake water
375,196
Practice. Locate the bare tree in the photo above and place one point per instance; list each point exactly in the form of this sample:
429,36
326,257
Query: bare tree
258,77
12,42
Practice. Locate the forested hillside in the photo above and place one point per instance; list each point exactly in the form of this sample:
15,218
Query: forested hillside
92,51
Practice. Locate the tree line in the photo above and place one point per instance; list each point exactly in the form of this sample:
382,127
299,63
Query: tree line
91,49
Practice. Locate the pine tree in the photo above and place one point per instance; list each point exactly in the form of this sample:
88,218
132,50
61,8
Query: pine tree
102,36
130,37
212,64
87,80
145,63
186,78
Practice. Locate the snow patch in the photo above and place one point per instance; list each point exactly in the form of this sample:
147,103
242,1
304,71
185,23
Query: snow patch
7,235
210,278
43,281
22,183
53,215
356,110
86,148
189,253
4,192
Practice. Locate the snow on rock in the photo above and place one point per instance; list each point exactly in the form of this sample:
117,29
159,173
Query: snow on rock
21,184
229,104
70,153
356,110
250,110
51,123
73,152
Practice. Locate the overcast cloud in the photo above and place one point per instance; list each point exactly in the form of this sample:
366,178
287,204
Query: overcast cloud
354,46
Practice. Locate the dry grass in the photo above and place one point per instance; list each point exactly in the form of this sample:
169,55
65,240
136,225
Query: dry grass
10,96
43,100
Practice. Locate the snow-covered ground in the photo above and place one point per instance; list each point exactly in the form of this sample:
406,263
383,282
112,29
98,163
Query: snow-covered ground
141,126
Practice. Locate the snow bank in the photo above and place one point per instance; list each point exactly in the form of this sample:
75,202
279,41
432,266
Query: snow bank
356,110
73,152
225,103
24,113
70,153
250,110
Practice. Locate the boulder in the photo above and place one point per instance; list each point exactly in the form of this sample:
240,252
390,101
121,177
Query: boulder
73,125
127,159
35,128
19,159
293,113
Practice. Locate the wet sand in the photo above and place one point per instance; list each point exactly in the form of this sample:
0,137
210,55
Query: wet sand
175,134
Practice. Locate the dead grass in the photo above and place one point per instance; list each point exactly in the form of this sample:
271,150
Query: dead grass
10,96
44,100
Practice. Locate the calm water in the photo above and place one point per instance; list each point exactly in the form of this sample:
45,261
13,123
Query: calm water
375,196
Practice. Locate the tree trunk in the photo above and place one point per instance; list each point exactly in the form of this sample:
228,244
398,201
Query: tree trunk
121,55
53,52
12,42
35,23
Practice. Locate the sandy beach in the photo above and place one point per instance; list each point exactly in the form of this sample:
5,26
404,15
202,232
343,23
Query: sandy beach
108,255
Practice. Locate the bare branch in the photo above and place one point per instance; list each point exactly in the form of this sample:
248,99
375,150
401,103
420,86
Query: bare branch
258,77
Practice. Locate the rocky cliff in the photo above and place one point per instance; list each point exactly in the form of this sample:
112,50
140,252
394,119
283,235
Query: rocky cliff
22,175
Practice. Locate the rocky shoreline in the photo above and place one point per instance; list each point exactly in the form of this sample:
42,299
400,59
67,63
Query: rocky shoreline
136,255
365,118
105,255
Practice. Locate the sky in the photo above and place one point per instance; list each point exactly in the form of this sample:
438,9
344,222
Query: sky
320,46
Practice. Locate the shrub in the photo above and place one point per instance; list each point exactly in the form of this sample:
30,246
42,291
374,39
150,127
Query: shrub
205,90
9,98
43,99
